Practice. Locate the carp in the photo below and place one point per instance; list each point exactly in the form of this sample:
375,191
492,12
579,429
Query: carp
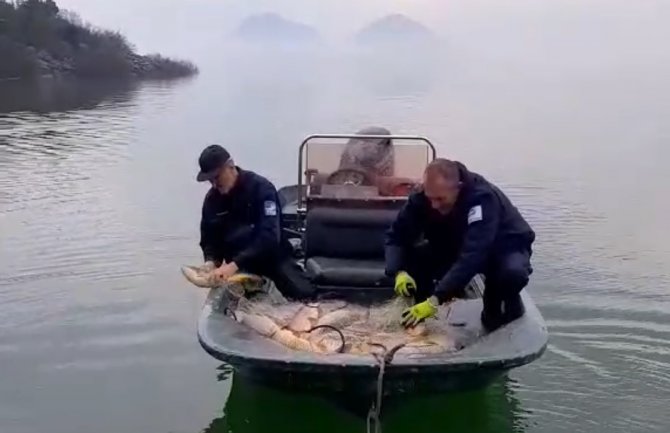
290,340
341,317
200,276
261,324
305,319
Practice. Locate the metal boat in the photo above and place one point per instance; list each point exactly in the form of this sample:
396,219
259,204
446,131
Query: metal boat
335,217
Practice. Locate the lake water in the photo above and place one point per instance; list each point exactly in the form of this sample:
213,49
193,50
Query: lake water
99,207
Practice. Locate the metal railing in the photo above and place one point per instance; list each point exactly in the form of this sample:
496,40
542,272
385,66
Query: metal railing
350,136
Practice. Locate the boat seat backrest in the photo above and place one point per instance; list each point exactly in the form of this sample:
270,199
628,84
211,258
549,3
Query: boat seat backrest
347,233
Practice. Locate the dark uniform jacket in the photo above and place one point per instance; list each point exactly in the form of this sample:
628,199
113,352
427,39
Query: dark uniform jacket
243,226
482,224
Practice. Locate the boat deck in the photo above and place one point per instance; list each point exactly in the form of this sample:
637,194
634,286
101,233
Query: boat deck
485,356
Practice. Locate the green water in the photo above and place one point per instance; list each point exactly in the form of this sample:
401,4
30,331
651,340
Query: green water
255,409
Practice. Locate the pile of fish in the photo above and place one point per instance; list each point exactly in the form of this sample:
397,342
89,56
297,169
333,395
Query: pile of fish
328,326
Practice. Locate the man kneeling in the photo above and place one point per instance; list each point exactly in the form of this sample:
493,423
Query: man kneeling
240,226
469,227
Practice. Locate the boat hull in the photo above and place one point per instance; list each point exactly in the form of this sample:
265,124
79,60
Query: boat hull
265,362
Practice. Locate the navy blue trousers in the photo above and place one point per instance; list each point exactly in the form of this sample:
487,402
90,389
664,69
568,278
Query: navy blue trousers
506,273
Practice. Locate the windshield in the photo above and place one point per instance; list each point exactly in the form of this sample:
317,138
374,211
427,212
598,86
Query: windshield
358,166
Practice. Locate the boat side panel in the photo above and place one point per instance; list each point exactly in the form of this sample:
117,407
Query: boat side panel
516,344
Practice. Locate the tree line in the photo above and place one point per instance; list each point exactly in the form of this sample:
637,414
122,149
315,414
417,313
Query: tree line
38,38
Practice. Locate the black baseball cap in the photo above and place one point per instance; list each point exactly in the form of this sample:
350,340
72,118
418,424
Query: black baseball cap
212,158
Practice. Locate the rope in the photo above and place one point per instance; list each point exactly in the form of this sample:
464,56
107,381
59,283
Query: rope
228,312
374,414
341,348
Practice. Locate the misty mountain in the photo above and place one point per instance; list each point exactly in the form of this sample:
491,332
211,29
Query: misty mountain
271,28
393,29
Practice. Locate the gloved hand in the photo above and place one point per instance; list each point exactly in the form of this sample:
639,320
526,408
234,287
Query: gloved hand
423,310
404,284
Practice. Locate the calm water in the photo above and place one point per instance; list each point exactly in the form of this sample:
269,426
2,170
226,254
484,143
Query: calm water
99,207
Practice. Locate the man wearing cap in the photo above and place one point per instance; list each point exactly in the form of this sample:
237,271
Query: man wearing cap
240,227
469,227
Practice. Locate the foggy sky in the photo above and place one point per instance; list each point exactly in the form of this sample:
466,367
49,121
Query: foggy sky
183,27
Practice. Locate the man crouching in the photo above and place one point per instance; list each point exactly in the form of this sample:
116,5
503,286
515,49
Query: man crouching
469,227
241,225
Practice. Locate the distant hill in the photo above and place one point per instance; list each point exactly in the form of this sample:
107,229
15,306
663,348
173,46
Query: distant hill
271,28
392,29
37,39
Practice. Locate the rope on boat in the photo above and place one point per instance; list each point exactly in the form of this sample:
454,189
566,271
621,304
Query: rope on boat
374,414
228,312
341,348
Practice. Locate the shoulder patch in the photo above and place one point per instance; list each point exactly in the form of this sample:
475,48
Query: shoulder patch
475,214
270,208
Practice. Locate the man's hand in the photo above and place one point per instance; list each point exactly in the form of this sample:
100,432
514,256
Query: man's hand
208,266
423,310
404,284
225,271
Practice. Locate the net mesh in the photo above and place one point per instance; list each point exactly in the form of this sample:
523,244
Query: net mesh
335,326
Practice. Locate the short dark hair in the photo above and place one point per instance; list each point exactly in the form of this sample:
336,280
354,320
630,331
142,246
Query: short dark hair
444,168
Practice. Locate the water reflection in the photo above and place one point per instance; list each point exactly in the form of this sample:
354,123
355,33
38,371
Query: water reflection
253,408
51,95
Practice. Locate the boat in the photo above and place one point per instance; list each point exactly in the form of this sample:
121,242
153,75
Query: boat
336,217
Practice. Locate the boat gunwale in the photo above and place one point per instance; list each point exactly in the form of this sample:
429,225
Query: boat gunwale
284,359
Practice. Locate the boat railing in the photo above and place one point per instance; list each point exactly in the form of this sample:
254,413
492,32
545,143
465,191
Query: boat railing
408,161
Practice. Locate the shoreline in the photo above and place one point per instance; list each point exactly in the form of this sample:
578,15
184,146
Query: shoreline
39,39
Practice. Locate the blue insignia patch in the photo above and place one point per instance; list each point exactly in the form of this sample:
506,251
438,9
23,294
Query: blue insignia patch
270,208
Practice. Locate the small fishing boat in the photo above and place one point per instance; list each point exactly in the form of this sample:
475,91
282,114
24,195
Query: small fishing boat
336,216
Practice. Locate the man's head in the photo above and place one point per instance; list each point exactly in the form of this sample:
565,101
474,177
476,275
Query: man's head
217,168
442,184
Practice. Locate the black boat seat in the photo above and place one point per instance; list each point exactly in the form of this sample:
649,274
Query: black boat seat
325,271
345,247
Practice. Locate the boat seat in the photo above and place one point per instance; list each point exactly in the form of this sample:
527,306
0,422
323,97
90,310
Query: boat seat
345,272
345,247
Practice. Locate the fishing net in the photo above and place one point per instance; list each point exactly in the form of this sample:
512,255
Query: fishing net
333,326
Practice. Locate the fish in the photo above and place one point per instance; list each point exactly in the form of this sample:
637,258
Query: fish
418,330
305,319
198,276
261,324
245,278
340,317
361,348
281,314
328,307
238,284
421,347
388,340
330,327
328,343
249,283
442,340
290,340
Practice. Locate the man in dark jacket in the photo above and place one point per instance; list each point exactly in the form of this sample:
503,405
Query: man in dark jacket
468,227
240,228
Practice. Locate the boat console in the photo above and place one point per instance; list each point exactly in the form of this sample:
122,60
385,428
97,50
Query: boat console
338,215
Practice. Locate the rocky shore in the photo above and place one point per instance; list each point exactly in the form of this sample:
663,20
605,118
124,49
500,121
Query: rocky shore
152,66
38,39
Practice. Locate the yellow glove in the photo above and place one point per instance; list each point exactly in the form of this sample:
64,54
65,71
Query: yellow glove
423,310
404,284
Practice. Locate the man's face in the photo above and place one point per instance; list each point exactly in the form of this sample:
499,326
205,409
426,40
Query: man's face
441,193
225,179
